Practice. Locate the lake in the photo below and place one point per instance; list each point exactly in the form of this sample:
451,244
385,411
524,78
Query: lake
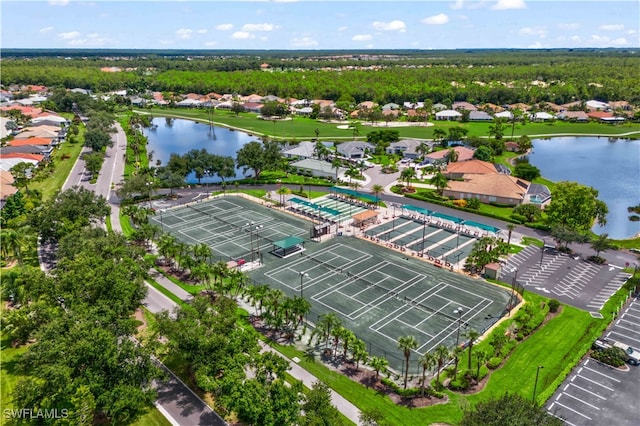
181,136
612,166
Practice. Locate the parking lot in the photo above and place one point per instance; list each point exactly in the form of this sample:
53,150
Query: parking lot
571,280
597,394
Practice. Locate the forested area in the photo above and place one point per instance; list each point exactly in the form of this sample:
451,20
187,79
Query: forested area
497,76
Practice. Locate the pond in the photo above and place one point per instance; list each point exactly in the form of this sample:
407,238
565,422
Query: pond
169,136
612,166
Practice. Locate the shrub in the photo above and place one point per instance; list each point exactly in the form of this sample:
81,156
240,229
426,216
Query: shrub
515,217
462,382
494,363
473,204
554,305
597,259
611,356
460,203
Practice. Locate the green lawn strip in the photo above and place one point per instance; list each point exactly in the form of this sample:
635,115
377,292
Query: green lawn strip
304,128
125,224
153,418
531,241
107,222
9,376
189,288
164,291
628,243
50,185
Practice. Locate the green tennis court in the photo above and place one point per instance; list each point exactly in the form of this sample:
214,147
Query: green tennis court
379,294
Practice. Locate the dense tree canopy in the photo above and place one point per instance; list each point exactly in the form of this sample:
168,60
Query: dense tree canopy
576,206
509,409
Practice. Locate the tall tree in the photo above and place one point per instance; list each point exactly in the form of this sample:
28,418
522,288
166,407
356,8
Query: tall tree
576,206
407,344
407,174
379,364
511,409
442,355
472,335
427,362
602,243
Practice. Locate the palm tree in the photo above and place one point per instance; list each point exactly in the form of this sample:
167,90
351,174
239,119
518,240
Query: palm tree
11,242
407,174
336,163
452,156
422,149
442,355
440,182
282,191
407,344
457,351
347,339
601,244
359,351
219,271
377,190
472,335
325,325
300,307
427,362
510,228
379,364
202,251
481,358
439,134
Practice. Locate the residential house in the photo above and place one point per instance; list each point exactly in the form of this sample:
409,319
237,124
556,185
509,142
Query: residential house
448,115
27,149
489,107
6,164
366,105
303,112
318,168
594,105
413,105
253,107
390,106
457,106
6,186
56,134
464,169
520,106
408,148
355,149
577,116
439,107
304,149
511,146
499,189
541,116
479,116
504,114
439,157
188,103
391,113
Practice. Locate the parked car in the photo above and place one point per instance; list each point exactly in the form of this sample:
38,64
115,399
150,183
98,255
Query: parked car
601,344
633,355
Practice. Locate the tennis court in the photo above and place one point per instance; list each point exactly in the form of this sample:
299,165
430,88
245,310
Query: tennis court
234,228
379,294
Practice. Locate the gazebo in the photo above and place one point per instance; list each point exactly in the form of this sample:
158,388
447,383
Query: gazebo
287,247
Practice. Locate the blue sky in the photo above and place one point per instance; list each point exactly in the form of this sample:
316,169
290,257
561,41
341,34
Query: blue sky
291,24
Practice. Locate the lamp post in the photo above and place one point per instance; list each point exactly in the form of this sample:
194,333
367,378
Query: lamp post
535,385
249,228
303,275
458,311
258,228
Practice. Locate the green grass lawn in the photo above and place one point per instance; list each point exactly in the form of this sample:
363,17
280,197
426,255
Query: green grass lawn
9,377
304,128
50,185
152,418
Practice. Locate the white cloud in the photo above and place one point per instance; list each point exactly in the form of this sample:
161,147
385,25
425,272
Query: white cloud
46,29
361,37
599,39
210,43
569,26
259,27
536,45
58,2
202,31
390,26
242,35
264,38
575,38
436,19
509,4
224,27
611,27
343,28
621,41
535,31
303,42
184,33
459,4
70,35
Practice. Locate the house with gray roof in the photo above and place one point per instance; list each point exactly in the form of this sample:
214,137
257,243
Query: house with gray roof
479,116
318,168
302,150
408,148
355,149
45,150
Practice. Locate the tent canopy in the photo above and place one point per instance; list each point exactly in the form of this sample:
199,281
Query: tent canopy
288,242
353,193
365,215
314,206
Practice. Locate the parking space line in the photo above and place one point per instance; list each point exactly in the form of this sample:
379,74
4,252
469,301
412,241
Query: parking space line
588,391
602,374
558,417
579,400
596,383
571,409
624,336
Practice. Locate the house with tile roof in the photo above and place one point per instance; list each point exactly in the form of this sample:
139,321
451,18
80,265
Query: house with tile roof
448,115
27,149
6,186
479,116
499,189
31,141
439,157
577,116
463,106
467,169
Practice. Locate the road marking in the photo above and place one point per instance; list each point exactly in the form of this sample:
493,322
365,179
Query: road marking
602,374
166,414
596,383
579,400
571,409
588,391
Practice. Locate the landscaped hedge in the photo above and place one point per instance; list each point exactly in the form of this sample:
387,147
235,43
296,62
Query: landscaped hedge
409,392
611,356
